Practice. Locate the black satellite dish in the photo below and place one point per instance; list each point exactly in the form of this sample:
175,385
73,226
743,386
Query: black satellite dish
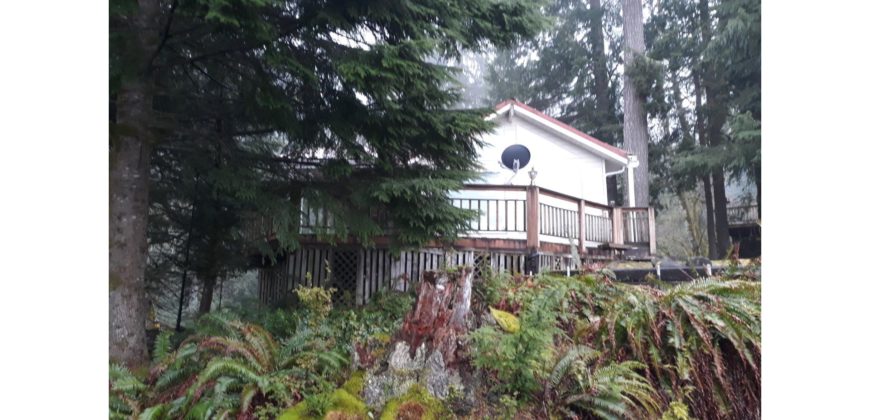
516,157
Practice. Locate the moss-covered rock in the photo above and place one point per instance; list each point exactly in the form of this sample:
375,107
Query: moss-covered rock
417,403
354,386
342,405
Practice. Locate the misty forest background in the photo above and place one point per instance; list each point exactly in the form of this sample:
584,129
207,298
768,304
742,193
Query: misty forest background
700,83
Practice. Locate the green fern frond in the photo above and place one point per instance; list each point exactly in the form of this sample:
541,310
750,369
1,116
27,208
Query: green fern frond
162,346
122,380
156,412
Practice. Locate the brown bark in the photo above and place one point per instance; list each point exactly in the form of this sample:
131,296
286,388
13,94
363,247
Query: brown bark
129,161
206,297
717,113
709,208
635,130
712,244
723,239
439,318
128,210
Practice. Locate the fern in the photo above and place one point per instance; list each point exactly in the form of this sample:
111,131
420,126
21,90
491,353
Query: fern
162,346
613,391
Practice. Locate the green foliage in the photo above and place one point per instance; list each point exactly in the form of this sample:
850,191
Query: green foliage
628,350
162,346
318,405
490,288
676,411
508,407
614,391
229,367
317,301
519,359
586,346
124,391
356,383
558,71
704,335
648,78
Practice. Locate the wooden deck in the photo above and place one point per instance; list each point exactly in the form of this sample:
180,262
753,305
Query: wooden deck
518,229
744,229
544,219
743,215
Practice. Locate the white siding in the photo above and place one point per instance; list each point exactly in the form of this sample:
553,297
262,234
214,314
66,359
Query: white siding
562,166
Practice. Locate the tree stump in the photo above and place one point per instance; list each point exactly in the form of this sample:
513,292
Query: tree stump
430,343
440,315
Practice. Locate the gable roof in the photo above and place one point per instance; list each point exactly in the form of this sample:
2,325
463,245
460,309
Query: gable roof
580,138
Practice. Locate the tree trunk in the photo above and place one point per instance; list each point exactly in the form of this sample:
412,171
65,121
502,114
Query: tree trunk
712,244
208,283
717,113
128,210
721,208
692,216
129,163
599,60
439,318
635,129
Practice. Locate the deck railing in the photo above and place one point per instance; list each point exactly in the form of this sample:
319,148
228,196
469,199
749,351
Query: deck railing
743,215
495,215
559,216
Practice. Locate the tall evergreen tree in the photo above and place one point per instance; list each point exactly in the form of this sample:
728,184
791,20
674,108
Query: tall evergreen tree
568,70
362,118
635,128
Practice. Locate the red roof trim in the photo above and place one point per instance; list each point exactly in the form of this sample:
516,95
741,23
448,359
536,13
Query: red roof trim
573,130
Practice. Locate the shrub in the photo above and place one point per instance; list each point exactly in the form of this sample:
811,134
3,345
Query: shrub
237,368
704,335
519,359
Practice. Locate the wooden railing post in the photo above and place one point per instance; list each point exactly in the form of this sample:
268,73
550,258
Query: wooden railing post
532,220
651,213
581,227
616,218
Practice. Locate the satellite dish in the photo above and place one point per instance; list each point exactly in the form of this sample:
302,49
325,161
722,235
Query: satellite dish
516,157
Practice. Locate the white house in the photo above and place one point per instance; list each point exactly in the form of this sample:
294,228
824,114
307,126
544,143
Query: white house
542,205
566,160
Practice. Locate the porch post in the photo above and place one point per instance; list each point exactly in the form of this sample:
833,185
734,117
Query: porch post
651,213
360,291
532,221
617,226
533,243
581,223
632,163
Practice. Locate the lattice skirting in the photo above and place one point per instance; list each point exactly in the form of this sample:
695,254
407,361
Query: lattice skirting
358,274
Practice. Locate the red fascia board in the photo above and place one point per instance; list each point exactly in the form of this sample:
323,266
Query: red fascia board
613,149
